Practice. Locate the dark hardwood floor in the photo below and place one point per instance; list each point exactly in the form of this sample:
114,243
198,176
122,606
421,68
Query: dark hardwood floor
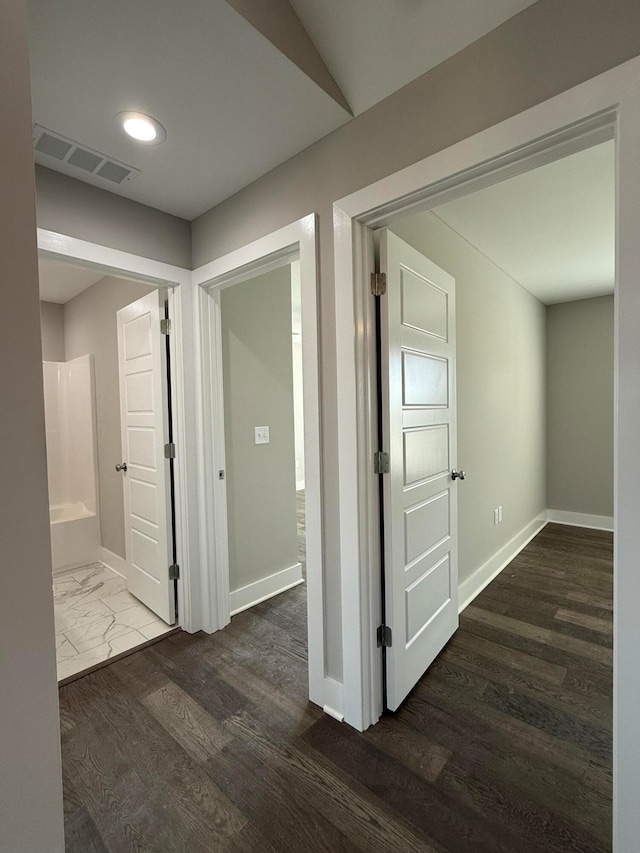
207,743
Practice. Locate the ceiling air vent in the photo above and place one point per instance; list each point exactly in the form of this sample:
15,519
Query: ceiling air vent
80,158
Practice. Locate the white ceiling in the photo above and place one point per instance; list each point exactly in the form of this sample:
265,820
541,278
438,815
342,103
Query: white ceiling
60,282
233,105
551,229
374,47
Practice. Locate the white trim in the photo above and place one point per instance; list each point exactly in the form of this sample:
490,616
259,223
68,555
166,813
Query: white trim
178,281
110,261
580,519
333,713
253,593
360,558
213,490
276,248
114,562
334,691
610,99
488,571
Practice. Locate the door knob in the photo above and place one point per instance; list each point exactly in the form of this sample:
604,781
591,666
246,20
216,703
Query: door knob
122,467
457,475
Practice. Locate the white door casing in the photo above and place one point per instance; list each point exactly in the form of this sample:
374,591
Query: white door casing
419,433
144,425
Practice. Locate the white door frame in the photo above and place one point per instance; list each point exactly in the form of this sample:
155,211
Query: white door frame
496,154
276,249
178,284
608,105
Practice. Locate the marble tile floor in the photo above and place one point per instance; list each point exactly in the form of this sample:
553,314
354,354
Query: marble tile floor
96,618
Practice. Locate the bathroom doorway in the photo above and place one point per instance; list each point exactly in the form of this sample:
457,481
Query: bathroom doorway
111,527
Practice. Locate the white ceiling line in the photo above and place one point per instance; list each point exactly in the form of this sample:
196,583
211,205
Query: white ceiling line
550,228
284,29
479,250
375,47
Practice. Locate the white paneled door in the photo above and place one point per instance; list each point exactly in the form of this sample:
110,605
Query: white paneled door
417,363
144,427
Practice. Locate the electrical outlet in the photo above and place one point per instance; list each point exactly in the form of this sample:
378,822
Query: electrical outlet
499,515
261,435
496,519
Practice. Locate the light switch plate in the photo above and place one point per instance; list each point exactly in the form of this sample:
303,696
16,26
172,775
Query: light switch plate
262,435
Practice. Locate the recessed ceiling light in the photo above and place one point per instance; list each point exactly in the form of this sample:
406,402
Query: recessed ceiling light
141,127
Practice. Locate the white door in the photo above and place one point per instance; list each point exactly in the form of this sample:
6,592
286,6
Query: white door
144,425
419,434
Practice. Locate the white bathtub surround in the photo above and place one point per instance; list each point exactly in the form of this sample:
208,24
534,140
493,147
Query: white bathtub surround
96,618
75,536
69,392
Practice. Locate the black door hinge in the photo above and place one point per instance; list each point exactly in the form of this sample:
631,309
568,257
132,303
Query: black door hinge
384,636
380,462
378,283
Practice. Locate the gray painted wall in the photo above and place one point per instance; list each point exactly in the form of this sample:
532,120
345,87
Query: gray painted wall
539,53
501,392
580,382
31,781
90,327
258,391
545,50
52,329
80,210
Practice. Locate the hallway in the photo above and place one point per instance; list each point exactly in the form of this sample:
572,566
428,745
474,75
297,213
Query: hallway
207,743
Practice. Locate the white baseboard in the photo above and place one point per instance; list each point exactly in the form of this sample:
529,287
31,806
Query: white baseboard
328,694
483,576
580,519
337,715
115,563
253,593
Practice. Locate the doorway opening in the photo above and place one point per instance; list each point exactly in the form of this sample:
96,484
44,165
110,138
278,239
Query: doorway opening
107,412
516,146
506,294
263,469
260,429
552,606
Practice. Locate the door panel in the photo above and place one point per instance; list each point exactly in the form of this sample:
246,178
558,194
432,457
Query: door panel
426,596
143,413
425,381
426,525
424,306
426,453
140,392
419,433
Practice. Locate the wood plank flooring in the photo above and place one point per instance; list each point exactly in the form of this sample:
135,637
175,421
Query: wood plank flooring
207,743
